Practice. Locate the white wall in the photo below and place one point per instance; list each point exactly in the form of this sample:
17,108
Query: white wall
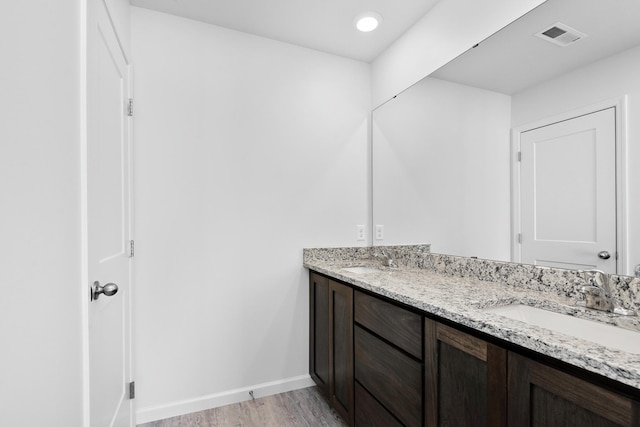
40,307
247,150
441,169
606,79
447,30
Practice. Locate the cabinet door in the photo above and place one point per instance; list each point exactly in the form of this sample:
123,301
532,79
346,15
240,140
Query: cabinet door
465,379
341,349
319,331
543,396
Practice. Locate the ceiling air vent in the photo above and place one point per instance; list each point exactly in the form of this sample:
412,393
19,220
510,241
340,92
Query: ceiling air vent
561,34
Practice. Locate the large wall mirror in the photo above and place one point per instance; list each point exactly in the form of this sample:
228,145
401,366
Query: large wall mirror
526,148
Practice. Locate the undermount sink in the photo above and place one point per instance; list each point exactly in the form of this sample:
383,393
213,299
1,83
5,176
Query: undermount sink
596,332
361,270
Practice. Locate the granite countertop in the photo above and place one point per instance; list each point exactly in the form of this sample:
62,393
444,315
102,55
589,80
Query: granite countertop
463,300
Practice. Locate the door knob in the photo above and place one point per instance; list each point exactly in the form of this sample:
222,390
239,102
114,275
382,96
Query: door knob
109,289
604,255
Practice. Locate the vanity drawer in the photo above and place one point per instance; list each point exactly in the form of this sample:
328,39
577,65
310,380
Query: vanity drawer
395,324
370,413
391,376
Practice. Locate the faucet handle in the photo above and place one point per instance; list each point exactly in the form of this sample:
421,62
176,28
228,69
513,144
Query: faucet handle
380,253
387,260
596,278
597,293
589,273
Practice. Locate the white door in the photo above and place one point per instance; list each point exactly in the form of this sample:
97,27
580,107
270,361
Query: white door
108,221
568,193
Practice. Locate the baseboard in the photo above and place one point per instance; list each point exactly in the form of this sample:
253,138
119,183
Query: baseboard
173,409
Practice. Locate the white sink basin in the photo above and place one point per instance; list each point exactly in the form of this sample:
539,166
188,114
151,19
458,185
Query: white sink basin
361,270
599,333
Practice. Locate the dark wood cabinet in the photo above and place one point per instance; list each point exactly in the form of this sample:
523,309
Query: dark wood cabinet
540,395
471,382
393,323
331,342
370,413
382,364
465,379
319,331
391,376
388,362
341,349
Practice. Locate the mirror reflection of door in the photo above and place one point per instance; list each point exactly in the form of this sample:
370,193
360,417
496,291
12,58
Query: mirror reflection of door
568,193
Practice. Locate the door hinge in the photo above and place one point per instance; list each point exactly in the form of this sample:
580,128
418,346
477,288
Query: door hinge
132,390
130,107
519,156
131,248
519,238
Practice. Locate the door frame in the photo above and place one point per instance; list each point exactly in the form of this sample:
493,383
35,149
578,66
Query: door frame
619,105
84,283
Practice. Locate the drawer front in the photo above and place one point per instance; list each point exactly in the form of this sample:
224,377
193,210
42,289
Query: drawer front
394,378
395,324
370,413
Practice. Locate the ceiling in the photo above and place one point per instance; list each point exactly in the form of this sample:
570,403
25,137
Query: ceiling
324,25
514,59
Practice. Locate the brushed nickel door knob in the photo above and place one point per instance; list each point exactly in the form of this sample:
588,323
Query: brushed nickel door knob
604,255
108,290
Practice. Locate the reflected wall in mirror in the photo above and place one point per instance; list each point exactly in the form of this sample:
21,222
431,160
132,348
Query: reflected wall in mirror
445,163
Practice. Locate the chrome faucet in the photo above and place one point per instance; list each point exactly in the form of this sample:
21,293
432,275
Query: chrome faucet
598,294
387,260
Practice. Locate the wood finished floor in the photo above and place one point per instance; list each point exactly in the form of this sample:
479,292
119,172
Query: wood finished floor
304,407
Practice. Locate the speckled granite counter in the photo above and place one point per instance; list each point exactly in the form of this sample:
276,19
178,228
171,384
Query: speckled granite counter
458,289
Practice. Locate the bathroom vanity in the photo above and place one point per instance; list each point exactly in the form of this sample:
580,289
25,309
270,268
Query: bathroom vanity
421,344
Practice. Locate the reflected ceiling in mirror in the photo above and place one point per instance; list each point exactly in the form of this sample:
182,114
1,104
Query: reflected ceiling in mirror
442,156
514,59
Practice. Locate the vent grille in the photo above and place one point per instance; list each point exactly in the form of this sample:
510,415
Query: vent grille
561,34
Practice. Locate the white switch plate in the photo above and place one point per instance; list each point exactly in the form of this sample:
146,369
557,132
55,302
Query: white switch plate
360,232
379,232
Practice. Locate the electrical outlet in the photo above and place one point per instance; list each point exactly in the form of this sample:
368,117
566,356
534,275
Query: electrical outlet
360,232
379,232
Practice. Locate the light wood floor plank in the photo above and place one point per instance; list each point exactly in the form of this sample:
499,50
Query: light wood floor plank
298,408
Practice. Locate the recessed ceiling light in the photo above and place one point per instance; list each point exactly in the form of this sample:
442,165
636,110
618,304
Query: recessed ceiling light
368,21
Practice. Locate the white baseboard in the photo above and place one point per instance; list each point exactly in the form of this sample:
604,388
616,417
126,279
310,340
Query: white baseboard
173,409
